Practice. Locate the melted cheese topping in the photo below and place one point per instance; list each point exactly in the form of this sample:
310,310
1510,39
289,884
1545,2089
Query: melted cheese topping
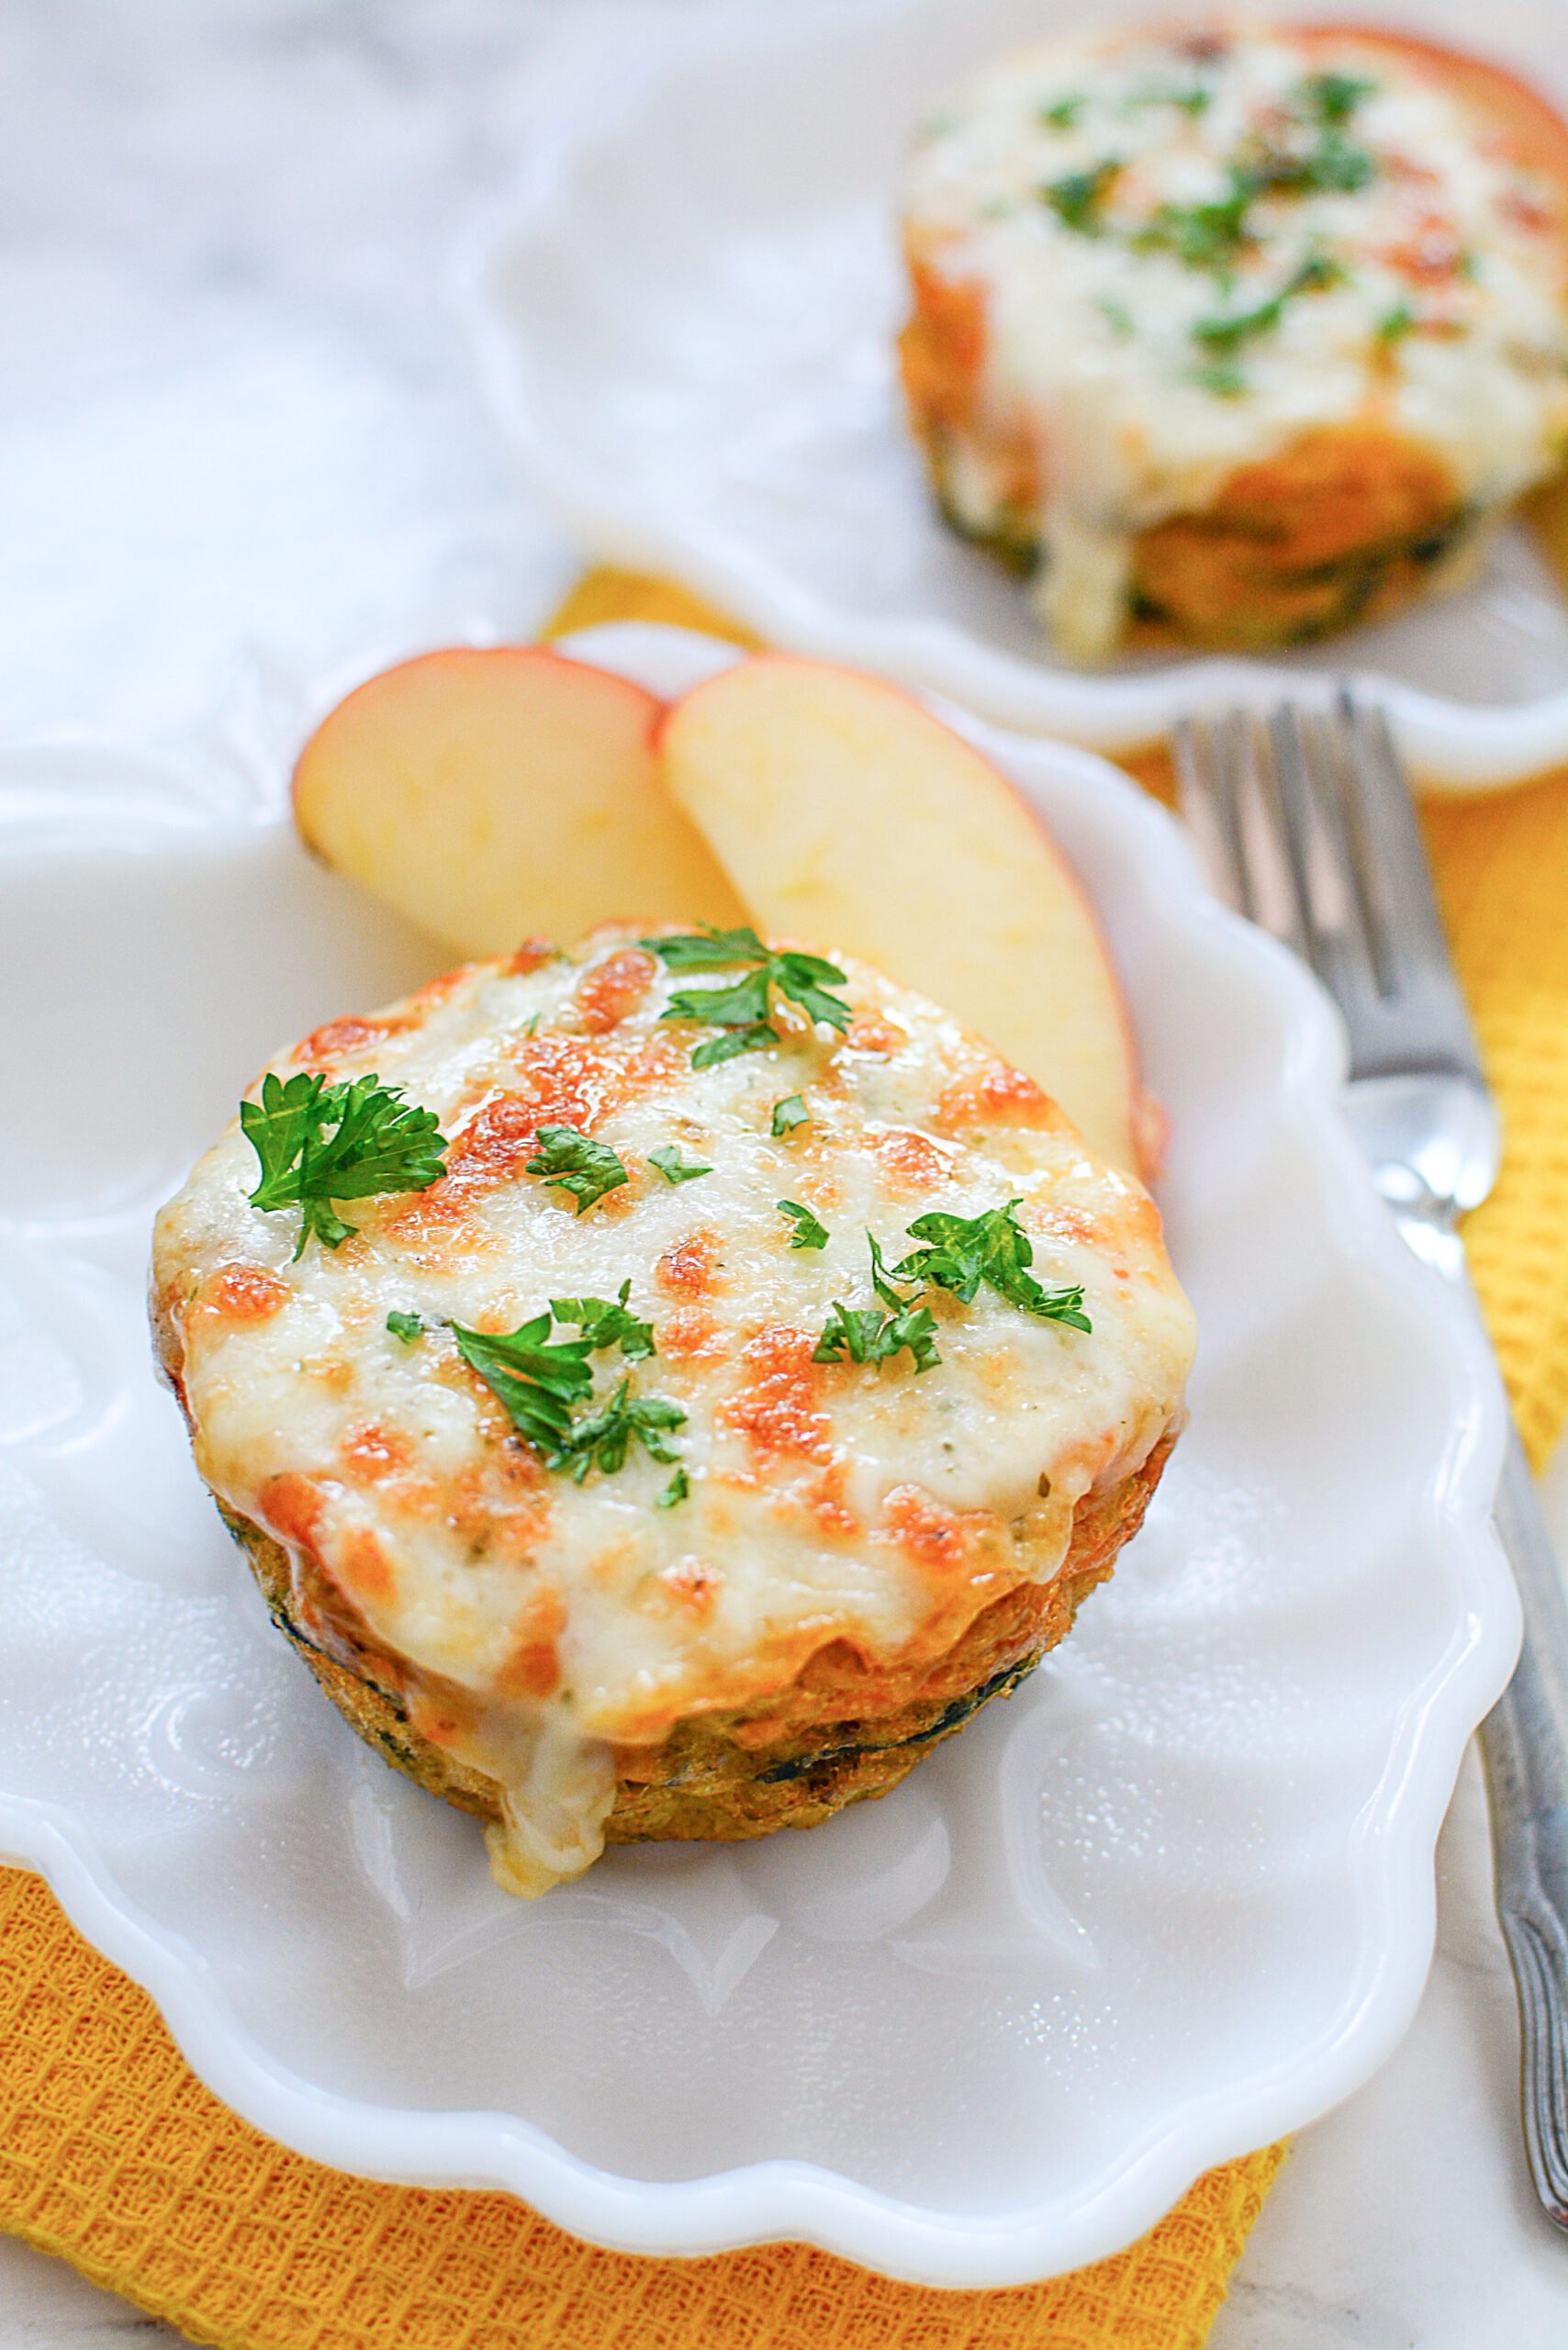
540,1624
1439,304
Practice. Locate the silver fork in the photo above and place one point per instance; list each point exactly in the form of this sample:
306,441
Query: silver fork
1307,824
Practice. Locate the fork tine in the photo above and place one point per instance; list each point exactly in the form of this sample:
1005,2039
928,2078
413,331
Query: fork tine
1308,826
1276,877
1344,823
1407,929
1339,920
1205,784
1229,798
1292,797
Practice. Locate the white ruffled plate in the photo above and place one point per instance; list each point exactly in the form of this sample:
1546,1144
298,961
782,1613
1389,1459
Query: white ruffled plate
1173,1899
685,320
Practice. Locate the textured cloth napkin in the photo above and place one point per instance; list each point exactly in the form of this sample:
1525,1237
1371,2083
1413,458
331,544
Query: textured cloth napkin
115,2156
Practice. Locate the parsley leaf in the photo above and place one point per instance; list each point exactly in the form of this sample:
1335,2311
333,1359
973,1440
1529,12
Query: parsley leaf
1222,334
1194,100
603,1439
743,1007
736,1006
787,1114
540,1380
708,949
808,1232
800,977
1395,324
1333,97
961,1252
537,1380
606,1322
677,1489
1076,200
1062,112
754,1038
407,1326
317,1143
579,1165
865,1334
883,1277
1203,236
1332,167
673,1167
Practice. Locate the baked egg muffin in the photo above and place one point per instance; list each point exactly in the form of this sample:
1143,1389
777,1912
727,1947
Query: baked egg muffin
1236,335
665,1387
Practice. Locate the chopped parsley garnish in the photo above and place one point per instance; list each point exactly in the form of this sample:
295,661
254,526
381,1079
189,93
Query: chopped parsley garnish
1062,112
1076,200
540,1381
707,949
1333,97
603,1439
1333,167
579,1165
1223,334
882,1277
537,1379
745,1036
407,1326
961,1252
673,1167
808,1232
1395,324
958,1254
608,1322
877,1333
1194,99
743,1009
677,1489
787,1114
1202,236
866,1334
317,1143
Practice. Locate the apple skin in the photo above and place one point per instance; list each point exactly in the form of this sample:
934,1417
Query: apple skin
499,794
845,813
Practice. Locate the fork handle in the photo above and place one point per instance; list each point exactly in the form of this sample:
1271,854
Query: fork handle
1524,1744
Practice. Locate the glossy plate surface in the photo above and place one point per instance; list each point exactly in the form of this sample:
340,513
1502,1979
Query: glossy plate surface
1173,1899
695,367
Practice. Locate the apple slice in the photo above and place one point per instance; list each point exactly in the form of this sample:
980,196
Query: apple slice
494,794
847,816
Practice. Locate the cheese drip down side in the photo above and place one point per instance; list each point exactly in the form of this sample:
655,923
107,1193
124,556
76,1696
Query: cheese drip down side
538,1625
1130,356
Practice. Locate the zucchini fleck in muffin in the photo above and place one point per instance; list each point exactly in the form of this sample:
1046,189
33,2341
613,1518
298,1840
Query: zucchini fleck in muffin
727,1374
1237,334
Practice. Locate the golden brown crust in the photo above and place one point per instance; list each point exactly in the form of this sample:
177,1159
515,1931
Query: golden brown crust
1345,524
845,1729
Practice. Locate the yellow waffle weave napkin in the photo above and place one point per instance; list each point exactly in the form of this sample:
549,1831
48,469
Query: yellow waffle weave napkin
113,2155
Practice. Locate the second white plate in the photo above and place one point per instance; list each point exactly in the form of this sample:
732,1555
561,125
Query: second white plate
686,322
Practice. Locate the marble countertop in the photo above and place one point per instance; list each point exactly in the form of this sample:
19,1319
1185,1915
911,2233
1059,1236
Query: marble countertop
245,423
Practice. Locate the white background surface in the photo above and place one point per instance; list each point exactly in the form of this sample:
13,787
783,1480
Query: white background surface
244,420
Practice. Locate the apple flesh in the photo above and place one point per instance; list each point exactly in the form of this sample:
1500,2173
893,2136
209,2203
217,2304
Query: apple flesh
495,795
847,816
